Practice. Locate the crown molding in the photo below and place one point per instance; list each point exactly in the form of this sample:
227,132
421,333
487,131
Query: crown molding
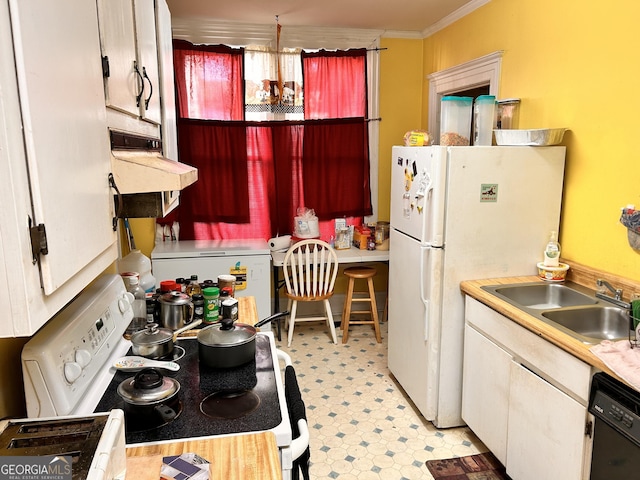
215,31
463,11
203,31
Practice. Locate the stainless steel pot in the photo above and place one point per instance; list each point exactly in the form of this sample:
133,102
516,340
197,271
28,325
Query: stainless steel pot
176,310
151,394
156,342
228,344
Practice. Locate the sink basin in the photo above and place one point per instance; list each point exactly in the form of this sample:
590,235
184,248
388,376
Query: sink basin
544,296
599,323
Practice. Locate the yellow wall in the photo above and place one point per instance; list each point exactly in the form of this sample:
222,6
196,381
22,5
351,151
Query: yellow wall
573,64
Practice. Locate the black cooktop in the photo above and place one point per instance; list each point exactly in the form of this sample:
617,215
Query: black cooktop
252,386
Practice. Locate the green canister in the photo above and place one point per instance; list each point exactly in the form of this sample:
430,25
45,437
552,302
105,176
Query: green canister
211,305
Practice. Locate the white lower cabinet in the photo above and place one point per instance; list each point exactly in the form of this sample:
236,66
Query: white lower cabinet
485,391
546,429
525,398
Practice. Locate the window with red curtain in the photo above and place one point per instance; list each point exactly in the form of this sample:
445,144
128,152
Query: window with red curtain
254,175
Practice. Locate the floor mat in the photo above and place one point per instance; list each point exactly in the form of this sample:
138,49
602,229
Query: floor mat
484,466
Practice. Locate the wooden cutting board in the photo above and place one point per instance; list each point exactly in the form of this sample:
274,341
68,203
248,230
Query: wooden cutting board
239,457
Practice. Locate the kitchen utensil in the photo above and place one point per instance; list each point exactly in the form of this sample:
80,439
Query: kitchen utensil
134,364
156,342
151,394
176,310
228,344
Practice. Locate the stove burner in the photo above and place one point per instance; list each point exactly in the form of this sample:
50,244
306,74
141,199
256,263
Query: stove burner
229,405
144,423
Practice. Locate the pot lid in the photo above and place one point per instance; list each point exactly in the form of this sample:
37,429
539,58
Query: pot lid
226,334
152,335
174,298
148,386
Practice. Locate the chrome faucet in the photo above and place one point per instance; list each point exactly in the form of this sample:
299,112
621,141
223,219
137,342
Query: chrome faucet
617,294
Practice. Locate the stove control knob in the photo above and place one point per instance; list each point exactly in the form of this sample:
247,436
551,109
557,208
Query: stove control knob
125,302
72,371
83,357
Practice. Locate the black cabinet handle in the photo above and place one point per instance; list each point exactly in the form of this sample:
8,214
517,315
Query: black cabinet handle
141,92
146,101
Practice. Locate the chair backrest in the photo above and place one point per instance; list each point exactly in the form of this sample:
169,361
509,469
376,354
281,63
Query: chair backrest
310,268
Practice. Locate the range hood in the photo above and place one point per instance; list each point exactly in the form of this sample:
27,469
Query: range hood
138,166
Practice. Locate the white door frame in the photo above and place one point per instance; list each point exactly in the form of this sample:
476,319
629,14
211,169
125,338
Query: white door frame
475,73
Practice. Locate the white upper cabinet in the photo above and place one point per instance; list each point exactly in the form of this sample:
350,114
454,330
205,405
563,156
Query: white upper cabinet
130,65
54,160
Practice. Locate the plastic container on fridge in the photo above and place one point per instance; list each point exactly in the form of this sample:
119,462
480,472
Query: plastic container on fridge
484,117
455,121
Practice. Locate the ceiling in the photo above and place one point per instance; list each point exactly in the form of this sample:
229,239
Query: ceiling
416,16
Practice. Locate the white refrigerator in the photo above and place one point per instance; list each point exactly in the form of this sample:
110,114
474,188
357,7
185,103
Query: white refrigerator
248,260
459,213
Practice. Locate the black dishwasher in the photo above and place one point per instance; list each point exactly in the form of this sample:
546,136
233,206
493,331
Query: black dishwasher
616,433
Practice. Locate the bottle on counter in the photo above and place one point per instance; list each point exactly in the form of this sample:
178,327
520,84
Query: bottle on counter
211,305
552,251
136,261
139,305
193,287
198,306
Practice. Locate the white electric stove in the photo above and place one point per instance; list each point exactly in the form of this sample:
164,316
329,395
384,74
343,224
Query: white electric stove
68,370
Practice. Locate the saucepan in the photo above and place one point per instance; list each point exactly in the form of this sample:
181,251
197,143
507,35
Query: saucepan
156,342
150,395
228,344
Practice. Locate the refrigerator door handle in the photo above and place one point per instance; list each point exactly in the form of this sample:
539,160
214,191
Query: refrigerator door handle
425,301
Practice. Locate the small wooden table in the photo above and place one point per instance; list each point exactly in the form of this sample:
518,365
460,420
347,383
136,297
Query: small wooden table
237,457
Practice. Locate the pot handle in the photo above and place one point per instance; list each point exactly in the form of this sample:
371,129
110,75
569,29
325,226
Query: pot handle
192,310
269,319
165,412
226,323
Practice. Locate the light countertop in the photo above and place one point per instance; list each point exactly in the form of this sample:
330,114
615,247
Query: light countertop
349,255
549,333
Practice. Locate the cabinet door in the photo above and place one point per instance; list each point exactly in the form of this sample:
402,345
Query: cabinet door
145,21
65,135
485,391
118,44
546,430
54,159
167,95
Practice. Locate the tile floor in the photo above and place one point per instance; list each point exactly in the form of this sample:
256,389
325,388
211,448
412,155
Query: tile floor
361,423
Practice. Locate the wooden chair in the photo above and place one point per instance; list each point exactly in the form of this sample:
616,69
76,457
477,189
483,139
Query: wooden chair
310,268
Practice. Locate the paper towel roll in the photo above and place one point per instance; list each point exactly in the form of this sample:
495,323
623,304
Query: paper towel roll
280,243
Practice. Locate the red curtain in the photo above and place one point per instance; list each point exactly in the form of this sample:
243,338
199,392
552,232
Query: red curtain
336,152
335,84
209,81
253,176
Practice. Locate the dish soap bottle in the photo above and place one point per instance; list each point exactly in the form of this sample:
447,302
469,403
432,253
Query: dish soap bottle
552,251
